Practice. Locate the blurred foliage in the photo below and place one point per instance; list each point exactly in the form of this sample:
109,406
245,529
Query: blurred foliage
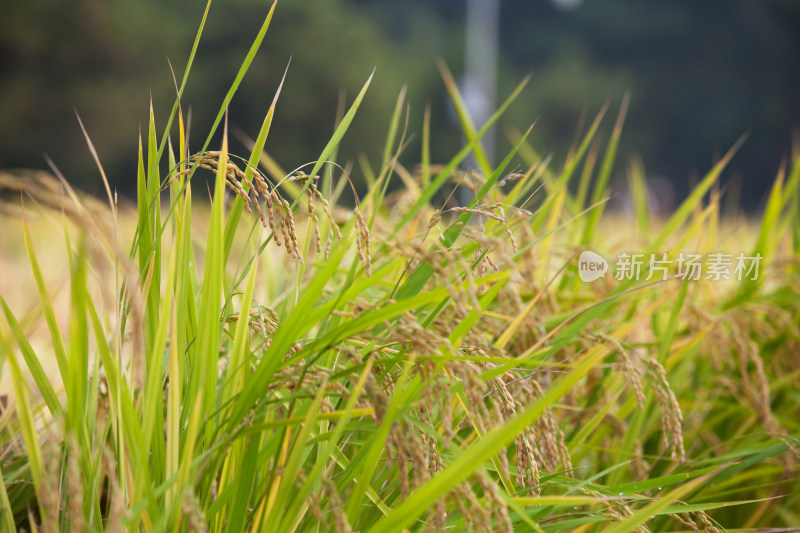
701,74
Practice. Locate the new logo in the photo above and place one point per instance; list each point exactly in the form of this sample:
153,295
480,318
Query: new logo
591,266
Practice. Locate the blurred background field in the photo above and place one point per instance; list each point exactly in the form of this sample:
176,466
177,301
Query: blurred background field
700,75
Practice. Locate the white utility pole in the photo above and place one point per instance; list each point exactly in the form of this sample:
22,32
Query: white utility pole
480,72
480,66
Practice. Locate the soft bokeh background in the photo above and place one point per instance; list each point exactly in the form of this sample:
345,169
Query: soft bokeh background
700,75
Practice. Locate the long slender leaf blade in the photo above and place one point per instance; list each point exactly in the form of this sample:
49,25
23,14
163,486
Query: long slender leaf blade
32,362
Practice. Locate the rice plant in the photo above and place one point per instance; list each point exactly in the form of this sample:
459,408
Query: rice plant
275,361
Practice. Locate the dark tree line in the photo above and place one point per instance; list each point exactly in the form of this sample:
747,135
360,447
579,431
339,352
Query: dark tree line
701,74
